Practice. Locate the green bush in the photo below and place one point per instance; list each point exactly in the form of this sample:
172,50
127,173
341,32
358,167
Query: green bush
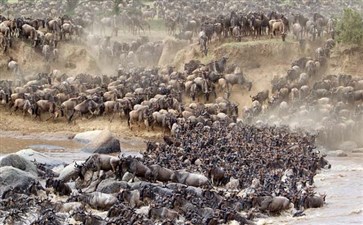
350,27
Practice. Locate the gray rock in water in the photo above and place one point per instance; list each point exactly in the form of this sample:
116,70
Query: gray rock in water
15,178
340,153
104,143
46,147
88,136
19,162
32,155
111,186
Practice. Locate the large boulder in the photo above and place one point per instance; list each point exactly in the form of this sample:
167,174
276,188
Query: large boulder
20,163
338,153
104,143
88,136
14,178
32,155
110,186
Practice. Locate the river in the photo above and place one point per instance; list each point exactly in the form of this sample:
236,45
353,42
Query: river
343,183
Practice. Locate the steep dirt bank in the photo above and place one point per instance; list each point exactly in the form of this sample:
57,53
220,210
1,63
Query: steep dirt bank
27,125
31,61
260,61
347,60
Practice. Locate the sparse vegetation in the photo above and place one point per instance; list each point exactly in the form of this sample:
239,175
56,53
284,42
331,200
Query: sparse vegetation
350,27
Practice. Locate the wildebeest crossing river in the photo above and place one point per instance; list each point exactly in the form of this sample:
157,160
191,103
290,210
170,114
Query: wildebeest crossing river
342,183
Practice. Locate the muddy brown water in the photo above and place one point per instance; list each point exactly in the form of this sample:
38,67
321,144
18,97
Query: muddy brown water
59,145
343,183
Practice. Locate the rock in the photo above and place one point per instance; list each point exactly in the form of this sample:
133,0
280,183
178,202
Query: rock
32,155
348,145
87,137
20,163
14,177
127,177
340,153
45,147
104,143
358,150
111,186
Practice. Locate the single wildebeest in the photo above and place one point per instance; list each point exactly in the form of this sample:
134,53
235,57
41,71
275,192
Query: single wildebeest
98,162
160,173
135,167
96,200
274,204
261,96
315,201
191,179
59,186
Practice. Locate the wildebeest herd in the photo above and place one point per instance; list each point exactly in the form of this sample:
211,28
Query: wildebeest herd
212,166
262,170
216,163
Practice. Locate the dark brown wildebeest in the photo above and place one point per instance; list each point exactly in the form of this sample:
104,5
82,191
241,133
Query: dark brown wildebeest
135,167
313,201
160,173
59,186
261,96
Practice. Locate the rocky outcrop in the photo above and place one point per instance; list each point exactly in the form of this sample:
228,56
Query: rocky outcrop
32,155
20,163
11,177
87,137
103,143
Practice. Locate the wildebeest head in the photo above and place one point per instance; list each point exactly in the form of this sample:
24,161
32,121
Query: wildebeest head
324,163
79,168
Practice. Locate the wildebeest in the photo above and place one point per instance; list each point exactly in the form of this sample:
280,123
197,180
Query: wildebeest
238,78
274,204
163,213
161,174
96,200
135,167
313,201
98,162
59,186
261,97
192,179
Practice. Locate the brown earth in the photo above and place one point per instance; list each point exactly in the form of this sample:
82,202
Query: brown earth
260,60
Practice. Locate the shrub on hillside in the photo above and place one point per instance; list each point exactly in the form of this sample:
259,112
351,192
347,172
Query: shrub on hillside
350,27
